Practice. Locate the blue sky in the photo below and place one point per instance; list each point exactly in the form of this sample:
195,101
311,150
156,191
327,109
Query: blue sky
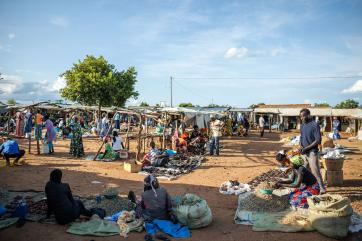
228,52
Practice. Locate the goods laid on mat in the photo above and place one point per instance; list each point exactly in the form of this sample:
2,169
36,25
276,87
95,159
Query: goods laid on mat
115,204
233,187
269,176
193,211
177,166
36,206
256,202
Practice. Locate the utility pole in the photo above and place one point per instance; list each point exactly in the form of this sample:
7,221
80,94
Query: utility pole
171,89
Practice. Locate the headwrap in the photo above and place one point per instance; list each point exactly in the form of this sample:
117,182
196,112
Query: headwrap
56,176
150,181
52,134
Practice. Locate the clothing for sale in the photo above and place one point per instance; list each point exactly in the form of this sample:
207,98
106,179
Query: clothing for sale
28,124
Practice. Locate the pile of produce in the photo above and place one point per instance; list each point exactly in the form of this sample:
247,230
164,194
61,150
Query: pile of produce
273,203
39,207
110,192
270,176
115,205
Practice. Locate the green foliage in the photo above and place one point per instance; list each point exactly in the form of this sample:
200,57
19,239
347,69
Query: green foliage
93,81
321,105
253,106
144,104
347,104
11,101
216,106
186,105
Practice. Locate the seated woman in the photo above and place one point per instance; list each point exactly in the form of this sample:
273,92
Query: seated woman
117,142
300,178
155,201
157,213
155,157
108,153
60,200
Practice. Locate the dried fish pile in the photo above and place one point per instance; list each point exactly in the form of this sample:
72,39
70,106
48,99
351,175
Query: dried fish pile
115,205
256,204
270,176
175,167
39,207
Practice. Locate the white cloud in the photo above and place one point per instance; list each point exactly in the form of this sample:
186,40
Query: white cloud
277,51
236,53
58,84
10,83
11,36
356,87
59,21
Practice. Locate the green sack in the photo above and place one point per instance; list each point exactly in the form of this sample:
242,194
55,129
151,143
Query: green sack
330,214
193,212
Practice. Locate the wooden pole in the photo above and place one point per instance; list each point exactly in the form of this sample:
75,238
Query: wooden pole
128,127
29,143
163,132
100,148
139,139
37,146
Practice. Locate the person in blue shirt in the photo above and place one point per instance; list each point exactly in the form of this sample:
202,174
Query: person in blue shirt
10,149
310,138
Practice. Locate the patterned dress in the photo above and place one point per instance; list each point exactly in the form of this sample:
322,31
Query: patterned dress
76,144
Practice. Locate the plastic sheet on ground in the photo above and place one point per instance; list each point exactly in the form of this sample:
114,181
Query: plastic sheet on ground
94,228
356,223
227,188
174,168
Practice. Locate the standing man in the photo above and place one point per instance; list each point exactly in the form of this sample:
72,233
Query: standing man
261,125
216,133
336,126
310,138
38,125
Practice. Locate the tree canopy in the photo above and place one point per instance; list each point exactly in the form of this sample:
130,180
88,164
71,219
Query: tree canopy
93,81
189,104
11,101
144,104
347,104
322,105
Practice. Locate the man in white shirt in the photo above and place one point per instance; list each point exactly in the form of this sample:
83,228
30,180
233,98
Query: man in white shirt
216,133
261,125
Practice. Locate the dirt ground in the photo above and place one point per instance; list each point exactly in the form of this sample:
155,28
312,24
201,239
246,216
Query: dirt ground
240,159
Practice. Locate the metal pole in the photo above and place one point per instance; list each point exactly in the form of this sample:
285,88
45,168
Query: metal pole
171,89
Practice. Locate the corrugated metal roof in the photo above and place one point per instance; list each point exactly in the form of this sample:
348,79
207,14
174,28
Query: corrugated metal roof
267,110
290,111
346,112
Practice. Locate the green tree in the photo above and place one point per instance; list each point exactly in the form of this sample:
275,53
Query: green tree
144,104
11,101
93,81
321,105
347,104
253,106
189,104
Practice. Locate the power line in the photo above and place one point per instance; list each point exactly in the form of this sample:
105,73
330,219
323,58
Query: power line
291,77
189,89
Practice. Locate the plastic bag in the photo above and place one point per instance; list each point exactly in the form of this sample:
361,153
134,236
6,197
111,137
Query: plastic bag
193,211
330,214
45,148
